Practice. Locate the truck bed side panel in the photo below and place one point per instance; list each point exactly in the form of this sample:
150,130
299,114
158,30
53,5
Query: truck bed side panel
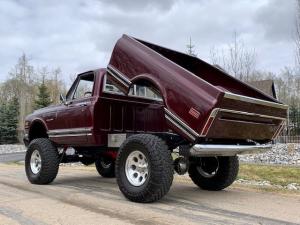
182,91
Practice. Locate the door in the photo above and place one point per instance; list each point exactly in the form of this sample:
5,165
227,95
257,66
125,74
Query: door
76,113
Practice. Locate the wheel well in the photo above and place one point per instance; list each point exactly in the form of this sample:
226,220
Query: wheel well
37,130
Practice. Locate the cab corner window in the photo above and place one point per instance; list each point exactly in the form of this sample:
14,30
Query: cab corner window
84,87
110,87
136,90
145,91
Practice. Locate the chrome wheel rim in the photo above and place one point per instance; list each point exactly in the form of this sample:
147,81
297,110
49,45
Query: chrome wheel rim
137,168
208,167
35,162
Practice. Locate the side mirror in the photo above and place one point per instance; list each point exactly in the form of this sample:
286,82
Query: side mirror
62,99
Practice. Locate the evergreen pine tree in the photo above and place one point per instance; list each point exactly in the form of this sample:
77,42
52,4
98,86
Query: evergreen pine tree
2,120
9,114
12,121
43,99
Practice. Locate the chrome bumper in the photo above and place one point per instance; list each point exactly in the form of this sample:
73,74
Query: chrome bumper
199,150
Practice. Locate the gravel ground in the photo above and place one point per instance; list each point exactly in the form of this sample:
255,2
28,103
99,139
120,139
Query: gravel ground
266,183
282,154
12,148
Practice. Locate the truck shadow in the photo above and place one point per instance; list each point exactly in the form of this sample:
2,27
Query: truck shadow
189,200
179,190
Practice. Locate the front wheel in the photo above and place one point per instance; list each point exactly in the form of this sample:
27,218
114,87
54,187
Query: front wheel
41,161
144,168
214,173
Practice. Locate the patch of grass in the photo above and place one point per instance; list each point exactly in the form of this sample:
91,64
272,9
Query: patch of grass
282,175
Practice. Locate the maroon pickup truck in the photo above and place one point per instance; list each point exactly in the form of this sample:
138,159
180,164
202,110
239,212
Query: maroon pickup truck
151,112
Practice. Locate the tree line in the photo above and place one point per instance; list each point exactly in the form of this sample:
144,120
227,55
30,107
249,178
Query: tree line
26,89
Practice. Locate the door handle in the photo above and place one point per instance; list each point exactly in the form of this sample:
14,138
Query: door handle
83,104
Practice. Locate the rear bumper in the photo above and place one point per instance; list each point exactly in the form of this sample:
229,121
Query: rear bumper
199,150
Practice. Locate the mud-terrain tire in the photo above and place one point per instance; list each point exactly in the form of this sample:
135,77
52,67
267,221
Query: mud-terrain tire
105,167
223,177
41,161
151,156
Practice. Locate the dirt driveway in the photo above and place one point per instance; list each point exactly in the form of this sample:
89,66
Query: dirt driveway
80,196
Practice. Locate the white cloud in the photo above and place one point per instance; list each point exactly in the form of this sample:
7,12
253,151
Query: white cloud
79,35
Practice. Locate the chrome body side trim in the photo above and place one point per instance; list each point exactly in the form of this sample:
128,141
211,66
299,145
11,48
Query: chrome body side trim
180,124
254,100
200,150
70,132
118,75
69,135
251,114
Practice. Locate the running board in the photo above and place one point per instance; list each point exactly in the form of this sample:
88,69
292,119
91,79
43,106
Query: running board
200,150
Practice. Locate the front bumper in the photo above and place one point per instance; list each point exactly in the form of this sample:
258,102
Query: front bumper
26,140
200,150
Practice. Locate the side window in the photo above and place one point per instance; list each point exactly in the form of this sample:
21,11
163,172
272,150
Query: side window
110,87
145,92
136,90
84,87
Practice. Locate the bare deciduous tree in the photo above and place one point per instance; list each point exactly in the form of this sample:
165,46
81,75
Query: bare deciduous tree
297,35
191,48
20,85
236,59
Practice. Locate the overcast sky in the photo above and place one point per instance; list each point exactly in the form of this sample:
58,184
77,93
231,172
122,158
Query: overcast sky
79,35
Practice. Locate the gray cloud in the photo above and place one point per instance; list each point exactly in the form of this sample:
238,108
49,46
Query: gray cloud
79,35
277,19
138,4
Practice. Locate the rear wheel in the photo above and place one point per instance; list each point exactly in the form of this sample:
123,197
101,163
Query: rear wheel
87,161
105,167
144,168
41,161
214,173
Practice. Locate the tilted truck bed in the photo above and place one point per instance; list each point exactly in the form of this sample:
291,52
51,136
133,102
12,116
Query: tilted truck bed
201,101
